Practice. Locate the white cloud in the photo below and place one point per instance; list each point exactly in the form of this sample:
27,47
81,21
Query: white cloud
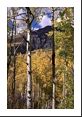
46,21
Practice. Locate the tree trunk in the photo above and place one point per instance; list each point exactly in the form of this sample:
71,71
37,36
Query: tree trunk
53,66
14,67
64,72
64,88
29,80
64,80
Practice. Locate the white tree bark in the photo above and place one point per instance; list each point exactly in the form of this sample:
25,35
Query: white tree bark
53,99
29,80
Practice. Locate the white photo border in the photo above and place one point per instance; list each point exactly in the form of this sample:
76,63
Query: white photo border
3,58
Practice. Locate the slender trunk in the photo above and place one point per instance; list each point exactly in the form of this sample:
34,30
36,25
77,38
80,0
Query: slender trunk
14,69
64,87
9,54
64,80
38,94
29,80
12,81
14,73
53,66
33,94
53,101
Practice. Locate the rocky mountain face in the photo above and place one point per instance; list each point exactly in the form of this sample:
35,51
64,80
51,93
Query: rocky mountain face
39,40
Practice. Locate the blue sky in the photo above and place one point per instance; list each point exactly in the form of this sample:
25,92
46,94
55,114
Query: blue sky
46,21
